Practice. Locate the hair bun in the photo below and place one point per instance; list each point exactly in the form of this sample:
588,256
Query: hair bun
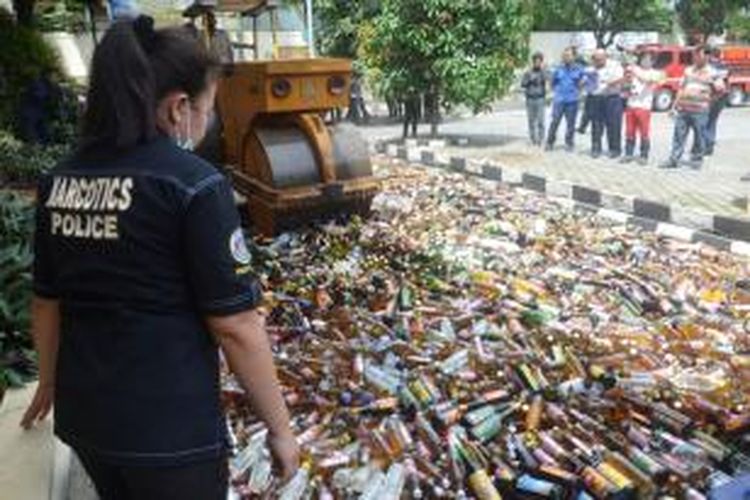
143,26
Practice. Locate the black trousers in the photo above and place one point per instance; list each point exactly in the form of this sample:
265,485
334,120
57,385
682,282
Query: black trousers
412,114
615,108
606,116
586,116
199,481
598,115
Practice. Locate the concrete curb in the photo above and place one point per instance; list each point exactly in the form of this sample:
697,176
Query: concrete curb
673,221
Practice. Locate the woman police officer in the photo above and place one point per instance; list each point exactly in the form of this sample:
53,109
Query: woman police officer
140,270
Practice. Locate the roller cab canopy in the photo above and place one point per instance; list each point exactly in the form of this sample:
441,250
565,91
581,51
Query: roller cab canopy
241,7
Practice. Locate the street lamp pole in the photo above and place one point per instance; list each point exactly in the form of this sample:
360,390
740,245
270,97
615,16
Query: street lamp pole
309,21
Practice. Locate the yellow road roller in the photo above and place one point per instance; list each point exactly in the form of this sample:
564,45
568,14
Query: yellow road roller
290,165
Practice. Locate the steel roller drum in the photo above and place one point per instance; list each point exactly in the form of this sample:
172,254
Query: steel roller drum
290,156
350,154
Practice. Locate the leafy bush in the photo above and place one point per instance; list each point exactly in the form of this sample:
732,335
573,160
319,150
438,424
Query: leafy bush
17,364
25,56
739,26
21,164
63,127
67,15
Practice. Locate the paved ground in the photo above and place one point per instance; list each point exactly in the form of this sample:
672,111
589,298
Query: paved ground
26,458
501,136
33,464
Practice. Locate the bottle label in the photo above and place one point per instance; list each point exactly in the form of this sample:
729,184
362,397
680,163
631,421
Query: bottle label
534,485
482,487
420,392
558,474
598,484
644,462
617,478
505,474
488,429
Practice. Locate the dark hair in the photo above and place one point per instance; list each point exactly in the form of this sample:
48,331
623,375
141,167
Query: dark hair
538,56
134,66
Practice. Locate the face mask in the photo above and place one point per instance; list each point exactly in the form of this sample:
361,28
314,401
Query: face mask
186,143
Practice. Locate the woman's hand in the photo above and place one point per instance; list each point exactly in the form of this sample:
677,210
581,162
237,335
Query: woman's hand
40,406
45,328
285,451
245,343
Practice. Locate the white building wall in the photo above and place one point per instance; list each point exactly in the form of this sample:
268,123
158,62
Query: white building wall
552,43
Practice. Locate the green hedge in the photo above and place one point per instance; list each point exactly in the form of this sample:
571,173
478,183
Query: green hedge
17,363
21,164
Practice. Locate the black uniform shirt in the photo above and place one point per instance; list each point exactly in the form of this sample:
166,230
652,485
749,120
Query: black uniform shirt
138,249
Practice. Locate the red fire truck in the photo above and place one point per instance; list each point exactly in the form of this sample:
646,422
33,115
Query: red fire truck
673,59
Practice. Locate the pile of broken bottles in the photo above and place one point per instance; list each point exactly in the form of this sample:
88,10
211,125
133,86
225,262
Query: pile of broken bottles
472,341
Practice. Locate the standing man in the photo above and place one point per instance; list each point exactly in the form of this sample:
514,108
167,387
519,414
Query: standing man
639,82
534,83
591,81
606,105
214,39
412,112
217,40
691,107
357,109
718,103
566,82
37,101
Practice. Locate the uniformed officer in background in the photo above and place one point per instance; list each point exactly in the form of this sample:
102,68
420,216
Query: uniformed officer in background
215,39
141,272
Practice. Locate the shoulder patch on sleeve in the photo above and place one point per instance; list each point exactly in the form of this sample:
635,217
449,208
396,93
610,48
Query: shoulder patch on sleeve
238,247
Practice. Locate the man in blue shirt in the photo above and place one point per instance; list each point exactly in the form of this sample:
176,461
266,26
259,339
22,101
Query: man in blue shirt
566,83
123,9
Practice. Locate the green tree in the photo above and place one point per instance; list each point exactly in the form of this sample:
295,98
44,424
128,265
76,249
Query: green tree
702,18
51,15
456,52
606,18
338,23
67,15
739,26
557,15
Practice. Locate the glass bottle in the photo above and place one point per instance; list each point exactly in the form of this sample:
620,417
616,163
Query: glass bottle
540,488
296,487
479,481
534,415
594,481
644,485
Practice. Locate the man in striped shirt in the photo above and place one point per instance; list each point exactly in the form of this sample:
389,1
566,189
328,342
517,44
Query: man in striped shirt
692,105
